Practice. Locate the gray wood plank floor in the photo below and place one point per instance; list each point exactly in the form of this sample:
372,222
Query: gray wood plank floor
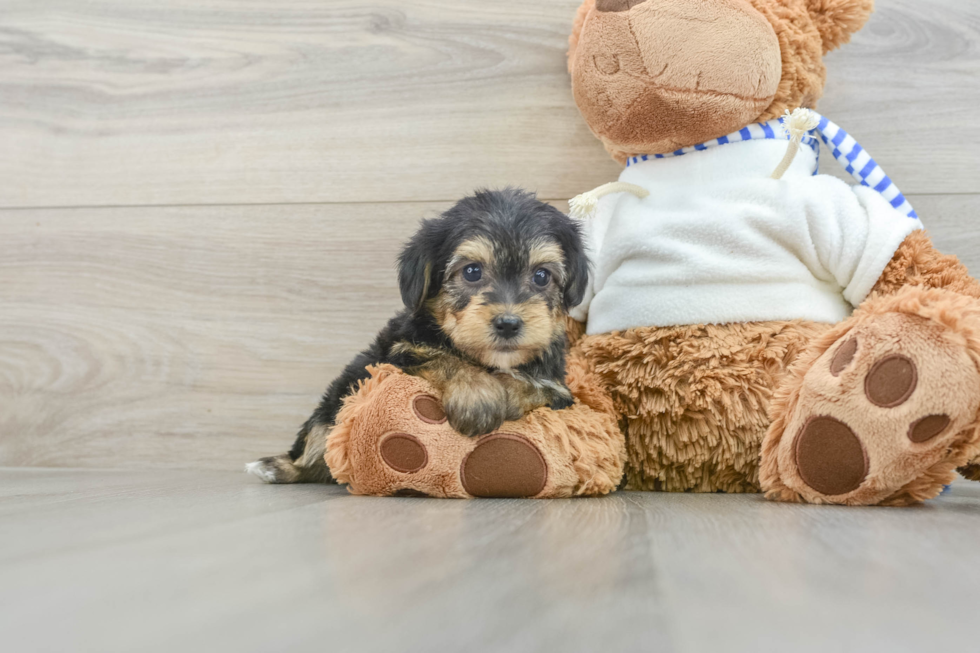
210,561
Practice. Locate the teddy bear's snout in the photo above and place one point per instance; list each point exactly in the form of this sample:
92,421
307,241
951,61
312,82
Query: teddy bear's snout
616,5
643,71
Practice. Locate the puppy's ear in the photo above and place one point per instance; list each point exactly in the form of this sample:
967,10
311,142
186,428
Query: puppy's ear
578,279
576,264
416,267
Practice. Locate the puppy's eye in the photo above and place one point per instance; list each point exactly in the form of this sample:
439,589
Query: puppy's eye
541,277
473,272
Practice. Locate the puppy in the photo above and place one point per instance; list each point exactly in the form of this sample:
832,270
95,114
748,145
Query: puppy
486,288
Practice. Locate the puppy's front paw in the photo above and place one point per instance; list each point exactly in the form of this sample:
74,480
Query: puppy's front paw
475,408
561,399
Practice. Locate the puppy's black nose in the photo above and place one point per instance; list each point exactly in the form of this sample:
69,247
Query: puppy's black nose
507,326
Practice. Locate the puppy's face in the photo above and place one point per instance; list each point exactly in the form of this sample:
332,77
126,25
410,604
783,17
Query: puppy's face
501,302
503,269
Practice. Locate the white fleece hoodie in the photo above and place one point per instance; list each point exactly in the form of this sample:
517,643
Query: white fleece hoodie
718,241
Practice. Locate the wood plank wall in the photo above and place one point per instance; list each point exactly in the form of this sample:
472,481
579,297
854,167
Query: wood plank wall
201,201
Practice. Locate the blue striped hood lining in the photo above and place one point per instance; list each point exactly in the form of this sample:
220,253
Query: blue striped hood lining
855,159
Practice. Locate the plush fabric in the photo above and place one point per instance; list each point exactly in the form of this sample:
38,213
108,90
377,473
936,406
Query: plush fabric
801,46
693,399
837,20
878,407
665,75
717,241
874,408
918,263
384,445
938,332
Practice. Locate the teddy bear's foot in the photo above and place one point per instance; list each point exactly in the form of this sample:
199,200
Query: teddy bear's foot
504,465
883,415
393,438
422,457
499,465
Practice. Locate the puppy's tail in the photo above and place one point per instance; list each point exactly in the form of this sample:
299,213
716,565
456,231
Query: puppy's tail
308,467
282,469
275,469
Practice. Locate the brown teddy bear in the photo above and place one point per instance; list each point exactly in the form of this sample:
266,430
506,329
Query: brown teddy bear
720,322
720,329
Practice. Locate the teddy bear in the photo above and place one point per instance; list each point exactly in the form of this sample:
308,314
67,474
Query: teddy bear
777,331
750,325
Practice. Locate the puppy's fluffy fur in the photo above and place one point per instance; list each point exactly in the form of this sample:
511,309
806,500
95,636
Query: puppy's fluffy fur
486,287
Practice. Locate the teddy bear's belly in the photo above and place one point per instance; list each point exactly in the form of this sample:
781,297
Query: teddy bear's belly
694,400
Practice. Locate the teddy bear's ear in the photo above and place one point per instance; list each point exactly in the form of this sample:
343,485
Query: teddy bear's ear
580,15
836,20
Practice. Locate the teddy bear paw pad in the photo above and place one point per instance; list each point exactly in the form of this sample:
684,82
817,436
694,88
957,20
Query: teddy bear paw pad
428,409
878,410
403,453
829,456
844,356
891,381
928,427
504,465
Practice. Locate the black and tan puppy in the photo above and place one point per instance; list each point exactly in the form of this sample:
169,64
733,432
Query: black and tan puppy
486,287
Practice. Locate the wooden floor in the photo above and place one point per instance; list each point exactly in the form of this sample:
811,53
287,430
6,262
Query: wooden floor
200,205
173,560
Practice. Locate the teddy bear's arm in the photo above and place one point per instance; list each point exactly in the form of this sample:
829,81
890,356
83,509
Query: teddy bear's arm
918,263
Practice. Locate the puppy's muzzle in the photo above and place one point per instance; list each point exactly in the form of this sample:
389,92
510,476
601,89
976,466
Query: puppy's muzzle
507,326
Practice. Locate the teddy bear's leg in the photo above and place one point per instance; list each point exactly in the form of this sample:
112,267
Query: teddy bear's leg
885,406
694,400
918,263
392,438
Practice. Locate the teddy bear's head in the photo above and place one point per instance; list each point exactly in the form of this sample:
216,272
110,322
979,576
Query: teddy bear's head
653,76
